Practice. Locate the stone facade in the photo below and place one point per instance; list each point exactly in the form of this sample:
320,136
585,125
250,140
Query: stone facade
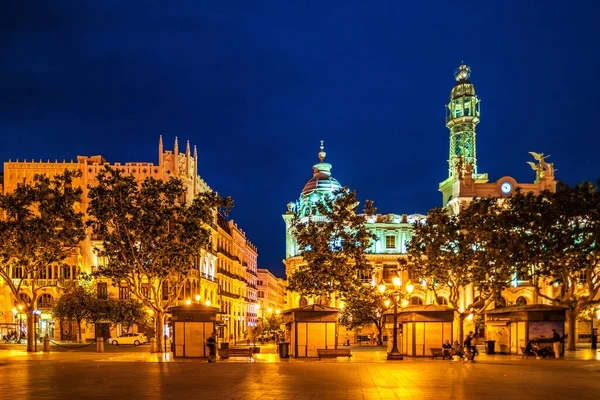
206,283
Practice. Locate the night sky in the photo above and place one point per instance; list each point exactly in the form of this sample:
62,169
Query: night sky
256,85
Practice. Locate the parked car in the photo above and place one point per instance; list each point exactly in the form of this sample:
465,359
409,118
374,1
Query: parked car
129,338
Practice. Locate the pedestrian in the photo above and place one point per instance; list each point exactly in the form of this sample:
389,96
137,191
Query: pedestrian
556,343
346,340
371,338
211,343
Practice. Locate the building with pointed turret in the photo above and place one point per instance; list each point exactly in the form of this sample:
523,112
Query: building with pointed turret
225,275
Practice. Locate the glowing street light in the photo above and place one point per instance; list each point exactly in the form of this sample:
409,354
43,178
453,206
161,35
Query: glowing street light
207,302
198,298
188,302
395,294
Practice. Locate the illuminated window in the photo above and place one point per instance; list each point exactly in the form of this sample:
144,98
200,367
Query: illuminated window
102,289
123,293
416,301
390,242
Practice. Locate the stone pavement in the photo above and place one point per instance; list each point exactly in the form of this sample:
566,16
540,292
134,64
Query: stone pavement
367,376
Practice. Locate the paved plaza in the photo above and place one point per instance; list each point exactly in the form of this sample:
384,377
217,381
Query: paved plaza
144,376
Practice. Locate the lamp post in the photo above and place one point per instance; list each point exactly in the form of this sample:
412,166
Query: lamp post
395,293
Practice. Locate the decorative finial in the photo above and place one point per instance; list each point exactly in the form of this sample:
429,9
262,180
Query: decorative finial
462,73
322,153
176,148
187,148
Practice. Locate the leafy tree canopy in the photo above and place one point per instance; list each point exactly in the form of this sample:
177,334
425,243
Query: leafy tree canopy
40,226
333,244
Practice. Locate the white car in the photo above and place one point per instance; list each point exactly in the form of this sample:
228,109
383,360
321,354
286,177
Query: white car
129,338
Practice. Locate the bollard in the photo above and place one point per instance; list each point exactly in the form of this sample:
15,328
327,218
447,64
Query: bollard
152,345
46,344
100,345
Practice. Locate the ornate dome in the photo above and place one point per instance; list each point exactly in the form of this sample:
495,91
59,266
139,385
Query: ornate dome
462,87
321,181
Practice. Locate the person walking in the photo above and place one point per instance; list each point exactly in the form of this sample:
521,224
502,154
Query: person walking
556,343
211,343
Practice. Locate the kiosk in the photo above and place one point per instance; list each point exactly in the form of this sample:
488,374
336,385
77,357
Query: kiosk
192,325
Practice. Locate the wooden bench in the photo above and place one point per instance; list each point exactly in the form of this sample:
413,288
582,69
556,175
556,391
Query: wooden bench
236,352
333,353
437,352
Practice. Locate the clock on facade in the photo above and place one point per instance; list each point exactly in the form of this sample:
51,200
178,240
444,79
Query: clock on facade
506,187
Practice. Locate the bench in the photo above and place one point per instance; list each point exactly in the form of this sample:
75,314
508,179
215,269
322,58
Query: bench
437,352
236,352
333,353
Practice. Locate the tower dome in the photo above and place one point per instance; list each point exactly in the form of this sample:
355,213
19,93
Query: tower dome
463,86
321,181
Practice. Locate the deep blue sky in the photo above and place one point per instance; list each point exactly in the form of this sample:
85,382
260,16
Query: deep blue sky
256,85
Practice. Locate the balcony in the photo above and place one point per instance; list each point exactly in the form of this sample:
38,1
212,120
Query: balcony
230,295
227,254
38,282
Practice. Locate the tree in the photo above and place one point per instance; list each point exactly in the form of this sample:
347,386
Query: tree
364,308
128,312
557,236
333,243
150,235
75,304
459,252
41,225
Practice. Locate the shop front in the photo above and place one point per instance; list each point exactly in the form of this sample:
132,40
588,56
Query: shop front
512,327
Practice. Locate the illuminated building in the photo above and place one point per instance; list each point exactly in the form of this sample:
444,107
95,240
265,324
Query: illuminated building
392,233
271,292
202,285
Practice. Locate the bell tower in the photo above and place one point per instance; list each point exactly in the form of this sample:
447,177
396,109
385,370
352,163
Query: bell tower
462,116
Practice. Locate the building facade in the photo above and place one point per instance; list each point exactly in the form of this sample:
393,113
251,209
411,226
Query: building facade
271,293
393,232
211,280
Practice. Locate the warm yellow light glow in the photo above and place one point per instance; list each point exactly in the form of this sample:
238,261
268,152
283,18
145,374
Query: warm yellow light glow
410,287
198,298
404,303
258,306
387,303
278,311
381,287
207,302
20,307
188,302
397,281
149,311
14,310
470,317
269,310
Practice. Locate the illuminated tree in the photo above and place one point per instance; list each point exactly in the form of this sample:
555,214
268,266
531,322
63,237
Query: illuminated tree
333,242
364,308
557,235
40,226
76,303
150,235
462,252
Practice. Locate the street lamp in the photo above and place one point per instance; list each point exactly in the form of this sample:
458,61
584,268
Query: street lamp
198,298
395,293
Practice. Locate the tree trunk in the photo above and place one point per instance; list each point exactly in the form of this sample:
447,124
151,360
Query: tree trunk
571,316
379,333
158,322
79,330
30,330
461,328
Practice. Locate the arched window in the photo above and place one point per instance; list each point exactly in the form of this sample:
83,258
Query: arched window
45,301
441,301
500,302
521,301
24,297
303,302
416,301
323,301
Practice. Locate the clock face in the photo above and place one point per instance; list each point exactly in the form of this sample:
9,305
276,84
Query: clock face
506,187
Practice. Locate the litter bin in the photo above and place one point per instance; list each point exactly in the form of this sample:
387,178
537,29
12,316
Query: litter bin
224,345
284,350
489,346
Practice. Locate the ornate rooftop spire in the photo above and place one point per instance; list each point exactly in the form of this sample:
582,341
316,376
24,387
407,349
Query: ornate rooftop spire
462,73
322,153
